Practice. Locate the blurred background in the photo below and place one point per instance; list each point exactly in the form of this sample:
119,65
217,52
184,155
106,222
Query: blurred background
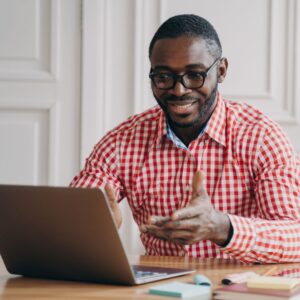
71,70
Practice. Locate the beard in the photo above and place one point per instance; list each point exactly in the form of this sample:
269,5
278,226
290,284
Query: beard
203,114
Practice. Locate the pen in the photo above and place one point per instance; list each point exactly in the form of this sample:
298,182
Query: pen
238,277
271,271
244,276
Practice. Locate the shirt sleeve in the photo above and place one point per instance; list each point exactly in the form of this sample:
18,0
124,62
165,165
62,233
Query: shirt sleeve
101,167
273,236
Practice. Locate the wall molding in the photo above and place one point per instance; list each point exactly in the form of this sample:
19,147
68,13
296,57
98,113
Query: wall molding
43,65
94,89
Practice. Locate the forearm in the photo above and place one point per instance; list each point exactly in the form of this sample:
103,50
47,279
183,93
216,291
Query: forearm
264,241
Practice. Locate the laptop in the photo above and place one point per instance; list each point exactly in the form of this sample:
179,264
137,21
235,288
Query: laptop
67,234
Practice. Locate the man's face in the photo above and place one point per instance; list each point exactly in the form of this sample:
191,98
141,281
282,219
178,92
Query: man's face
185,107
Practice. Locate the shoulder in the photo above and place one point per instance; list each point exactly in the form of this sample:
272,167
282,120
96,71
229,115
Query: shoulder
143,119
244,113
245,118
254,135
146,120
144,124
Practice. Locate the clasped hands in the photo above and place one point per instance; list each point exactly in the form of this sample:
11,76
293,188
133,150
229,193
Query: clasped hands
193,223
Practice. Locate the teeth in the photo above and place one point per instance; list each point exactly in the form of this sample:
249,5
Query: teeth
182,108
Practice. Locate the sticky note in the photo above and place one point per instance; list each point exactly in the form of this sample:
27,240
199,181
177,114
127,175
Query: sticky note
180,290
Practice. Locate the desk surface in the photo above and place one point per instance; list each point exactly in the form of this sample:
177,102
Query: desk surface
26,288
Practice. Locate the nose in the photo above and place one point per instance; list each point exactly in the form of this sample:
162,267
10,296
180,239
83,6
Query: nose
179,89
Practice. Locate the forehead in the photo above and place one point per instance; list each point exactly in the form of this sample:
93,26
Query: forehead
177,53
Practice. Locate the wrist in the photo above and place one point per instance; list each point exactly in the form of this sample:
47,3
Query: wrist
223,229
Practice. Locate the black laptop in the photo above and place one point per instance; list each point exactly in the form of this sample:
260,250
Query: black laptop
69,234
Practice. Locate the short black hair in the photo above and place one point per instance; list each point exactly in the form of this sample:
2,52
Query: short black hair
191,26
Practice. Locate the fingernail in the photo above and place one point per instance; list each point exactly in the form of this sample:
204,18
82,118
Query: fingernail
143,229
153,220
174,216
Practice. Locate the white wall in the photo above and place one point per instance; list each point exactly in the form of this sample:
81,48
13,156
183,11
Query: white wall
261,39
46,133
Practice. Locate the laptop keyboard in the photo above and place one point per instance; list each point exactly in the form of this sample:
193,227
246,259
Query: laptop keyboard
148,274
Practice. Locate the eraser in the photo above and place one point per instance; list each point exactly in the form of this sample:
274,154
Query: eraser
180,290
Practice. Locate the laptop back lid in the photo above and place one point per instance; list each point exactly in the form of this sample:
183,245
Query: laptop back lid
61,233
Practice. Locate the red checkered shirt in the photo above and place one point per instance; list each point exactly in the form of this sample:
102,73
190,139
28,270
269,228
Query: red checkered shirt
251,170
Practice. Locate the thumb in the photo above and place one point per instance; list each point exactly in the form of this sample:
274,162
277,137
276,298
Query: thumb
110,194
198,188
114,207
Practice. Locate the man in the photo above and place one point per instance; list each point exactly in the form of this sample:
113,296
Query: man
204,176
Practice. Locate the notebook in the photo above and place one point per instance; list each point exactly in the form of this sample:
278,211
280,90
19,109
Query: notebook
69,234
273,282
240,291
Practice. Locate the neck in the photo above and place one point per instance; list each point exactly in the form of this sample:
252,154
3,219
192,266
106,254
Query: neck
190,133
187,134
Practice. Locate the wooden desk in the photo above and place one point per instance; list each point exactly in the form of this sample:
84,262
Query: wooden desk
26,288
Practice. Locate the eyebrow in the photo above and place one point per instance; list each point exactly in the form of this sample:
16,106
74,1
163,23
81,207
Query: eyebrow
190,66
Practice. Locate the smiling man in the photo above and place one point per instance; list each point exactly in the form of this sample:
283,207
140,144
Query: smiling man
204,176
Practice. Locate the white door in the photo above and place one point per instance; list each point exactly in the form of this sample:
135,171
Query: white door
39,91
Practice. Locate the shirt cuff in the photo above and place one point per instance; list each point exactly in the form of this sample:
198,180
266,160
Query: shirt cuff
243,237
230,234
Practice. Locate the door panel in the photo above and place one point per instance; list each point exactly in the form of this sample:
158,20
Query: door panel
39,91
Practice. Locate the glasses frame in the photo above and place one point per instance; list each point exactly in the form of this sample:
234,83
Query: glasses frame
177,77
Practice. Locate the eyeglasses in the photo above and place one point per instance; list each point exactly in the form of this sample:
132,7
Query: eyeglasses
190,79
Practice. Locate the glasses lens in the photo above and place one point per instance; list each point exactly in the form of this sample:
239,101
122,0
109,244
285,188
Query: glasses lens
193,80
163,81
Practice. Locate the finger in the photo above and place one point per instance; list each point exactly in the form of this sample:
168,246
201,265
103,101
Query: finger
185,213
111,195
182,235
143,228
157,231
198,188
185,224
158,220
196,183
180,241
184,241
185,237
176,236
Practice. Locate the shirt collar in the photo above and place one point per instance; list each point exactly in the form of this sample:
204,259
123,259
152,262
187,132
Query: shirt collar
216,127
178,142
162,128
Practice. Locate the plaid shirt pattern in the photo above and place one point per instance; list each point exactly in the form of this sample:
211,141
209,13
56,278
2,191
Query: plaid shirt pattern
251,174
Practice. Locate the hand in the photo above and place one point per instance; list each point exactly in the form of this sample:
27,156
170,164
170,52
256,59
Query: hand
114,206
198,221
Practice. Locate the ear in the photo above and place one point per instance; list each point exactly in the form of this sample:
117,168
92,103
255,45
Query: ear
222,69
